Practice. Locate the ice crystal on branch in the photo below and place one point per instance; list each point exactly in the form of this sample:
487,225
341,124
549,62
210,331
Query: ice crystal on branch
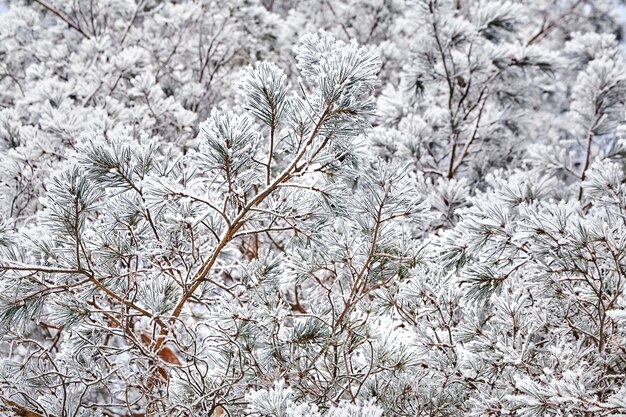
312,208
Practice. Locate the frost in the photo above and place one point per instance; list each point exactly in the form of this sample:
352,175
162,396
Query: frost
310,208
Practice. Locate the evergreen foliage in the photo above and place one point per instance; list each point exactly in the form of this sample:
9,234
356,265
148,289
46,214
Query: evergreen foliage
312,208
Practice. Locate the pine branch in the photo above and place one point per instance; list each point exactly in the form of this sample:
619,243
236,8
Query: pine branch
63,18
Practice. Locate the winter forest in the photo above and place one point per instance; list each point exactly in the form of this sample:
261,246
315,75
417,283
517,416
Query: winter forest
312,208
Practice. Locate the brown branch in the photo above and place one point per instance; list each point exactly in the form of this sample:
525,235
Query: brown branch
63,18
19,409
583,174
236,224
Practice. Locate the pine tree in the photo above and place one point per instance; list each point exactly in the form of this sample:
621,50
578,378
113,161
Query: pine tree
323,209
